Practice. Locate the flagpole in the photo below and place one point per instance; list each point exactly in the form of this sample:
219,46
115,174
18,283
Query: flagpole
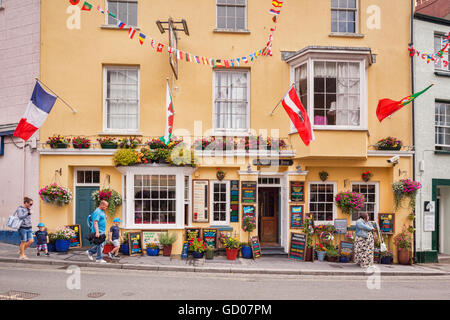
73,110
271,113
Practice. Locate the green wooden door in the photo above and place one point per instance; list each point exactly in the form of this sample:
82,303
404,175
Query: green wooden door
84,207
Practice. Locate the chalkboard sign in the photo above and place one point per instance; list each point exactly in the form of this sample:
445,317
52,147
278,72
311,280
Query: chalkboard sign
297,191
75,242
346,246
192,233
200,200
296,217
248,211
297,248
151,237
210,237
135,243
256,248
234,201
248,191
341,226
387,222
184,251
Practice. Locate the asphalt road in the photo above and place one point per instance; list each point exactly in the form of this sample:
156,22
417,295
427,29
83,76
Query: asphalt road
55,283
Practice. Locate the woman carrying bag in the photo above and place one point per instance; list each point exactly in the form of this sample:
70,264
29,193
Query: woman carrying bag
364,242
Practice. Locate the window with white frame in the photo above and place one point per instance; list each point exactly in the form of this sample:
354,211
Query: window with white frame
154,199
231,100
442,126
370,192
231,14
438,45
125,11
321,201
220,202
88,176
121,99
344,15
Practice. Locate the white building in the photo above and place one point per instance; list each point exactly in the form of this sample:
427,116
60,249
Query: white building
432,140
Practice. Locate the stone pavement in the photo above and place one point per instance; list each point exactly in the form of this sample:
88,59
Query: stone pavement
263,265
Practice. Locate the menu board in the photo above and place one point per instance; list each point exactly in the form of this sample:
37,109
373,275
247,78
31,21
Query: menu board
75,242
151,237
135,243
248,211
210,237
192,233
200,200
248,191
297,190
296,214
386,222
256,248
297,246
346,246
234,201
341,226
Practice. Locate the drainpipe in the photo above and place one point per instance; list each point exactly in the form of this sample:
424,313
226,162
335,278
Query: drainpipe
413,123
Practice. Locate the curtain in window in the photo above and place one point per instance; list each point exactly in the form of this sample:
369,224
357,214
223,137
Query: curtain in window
348,94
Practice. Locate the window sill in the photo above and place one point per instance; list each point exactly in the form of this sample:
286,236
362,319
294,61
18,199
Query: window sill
441,152
235,31
120,133
442,73
115,27
222,227
218,133
346,35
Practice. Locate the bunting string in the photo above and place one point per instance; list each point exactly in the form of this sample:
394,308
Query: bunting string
435,57
187,56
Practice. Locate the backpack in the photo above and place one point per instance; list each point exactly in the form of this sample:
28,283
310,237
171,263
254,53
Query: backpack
89,222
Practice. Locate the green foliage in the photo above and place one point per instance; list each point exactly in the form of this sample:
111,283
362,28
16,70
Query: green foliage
167,239
332,252
125,157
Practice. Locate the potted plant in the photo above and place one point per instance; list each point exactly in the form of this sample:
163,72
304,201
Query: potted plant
405,188
129,143
124,247
81,143
63,236
58,142
152,249
389,143
125,157
349,202
386,257
162,155
108,143
323,175
402,241
332,254
156,143
309,240
108,247
344,257
145,155
411,216
248,226
198,247
366,176
167,240
52,242
321,251
209,252
232,246
111,196
56,194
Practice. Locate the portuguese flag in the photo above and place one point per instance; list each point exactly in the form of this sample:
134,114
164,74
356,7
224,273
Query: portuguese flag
169,117
86,6
386,107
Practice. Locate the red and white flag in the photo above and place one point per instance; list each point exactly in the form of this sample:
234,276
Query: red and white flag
299,116
131,32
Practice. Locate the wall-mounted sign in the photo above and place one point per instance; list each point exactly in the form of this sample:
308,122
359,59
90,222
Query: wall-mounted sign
387,222
200,200
135,243
346,246
273,162
248,211
296,216
256,248
75,242
297,247
297,190
341,226
210,237
234,201
429,220
248,191
151,237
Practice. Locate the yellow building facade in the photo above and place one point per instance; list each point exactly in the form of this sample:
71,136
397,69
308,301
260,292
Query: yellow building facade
342,58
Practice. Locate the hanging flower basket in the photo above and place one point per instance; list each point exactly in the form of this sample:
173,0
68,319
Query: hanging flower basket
323,175
111,196
55,194
349,202
389,143
405,188
366,176
220,175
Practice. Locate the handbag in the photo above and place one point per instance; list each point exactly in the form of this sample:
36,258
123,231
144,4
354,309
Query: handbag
382,244
14,222
92,239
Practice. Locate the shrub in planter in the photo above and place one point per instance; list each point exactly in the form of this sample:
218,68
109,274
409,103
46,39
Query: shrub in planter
57,142
152,249
63,236
156,143
386,257
349,202
309,231
332,254
125,157
198,247
111,196
56,194
321,251
162,155
232,246
167,240
209,252
81,143
246,250
344,257
108,143
403,241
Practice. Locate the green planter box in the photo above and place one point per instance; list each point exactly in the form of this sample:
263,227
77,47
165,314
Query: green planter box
390,148
59,146
109,146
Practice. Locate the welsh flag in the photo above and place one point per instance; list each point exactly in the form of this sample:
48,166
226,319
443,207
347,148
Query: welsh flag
169,117
386,107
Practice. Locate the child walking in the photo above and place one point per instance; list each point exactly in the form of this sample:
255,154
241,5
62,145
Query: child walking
41,240
115,237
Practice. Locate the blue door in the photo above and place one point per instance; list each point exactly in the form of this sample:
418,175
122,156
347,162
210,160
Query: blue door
84,207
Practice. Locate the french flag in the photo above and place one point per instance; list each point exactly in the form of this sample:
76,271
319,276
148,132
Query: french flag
38,108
